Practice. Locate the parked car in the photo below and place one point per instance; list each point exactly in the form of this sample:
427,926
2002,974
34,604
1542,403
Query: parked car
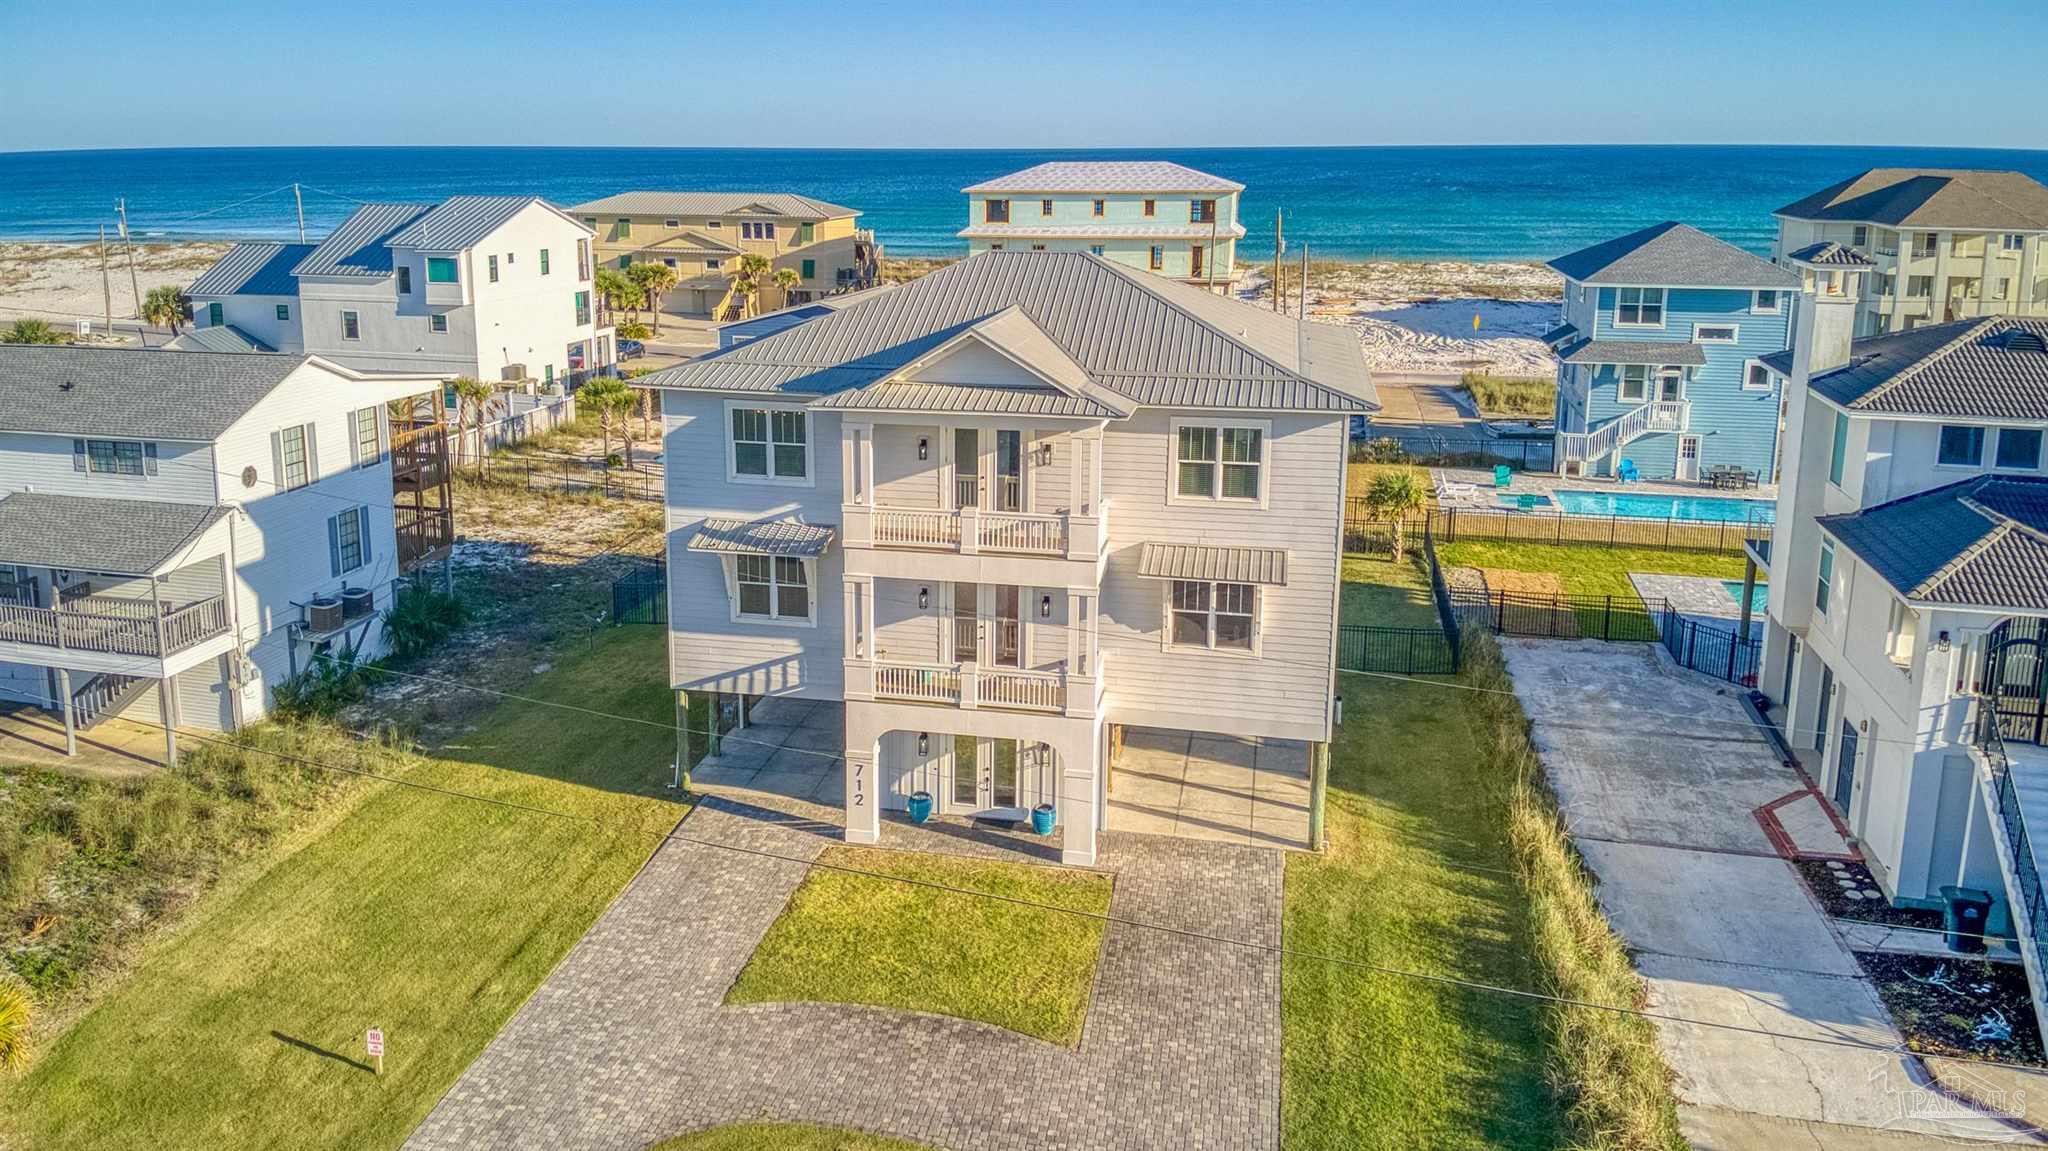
631,349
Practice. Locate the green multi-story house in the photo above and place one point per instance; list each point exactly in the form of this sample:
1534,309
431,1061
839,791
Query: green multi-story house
1150,214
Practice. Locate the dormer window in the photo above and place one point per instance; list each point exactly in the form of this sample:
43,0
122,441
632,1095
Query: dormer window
1639,307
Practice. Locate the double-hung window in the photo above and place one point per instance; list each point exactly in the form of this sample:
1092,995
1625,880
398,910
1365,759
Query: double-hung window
1201,211
1045,207
437,322
368,426
543,261
441,270
1158,257
770,443
773,587
995,211
1824,588
493,261
351,326
404,280
115,457
1639,307
1634,387
1962,446
348,540
284,311
1214,615
294,457
1218,462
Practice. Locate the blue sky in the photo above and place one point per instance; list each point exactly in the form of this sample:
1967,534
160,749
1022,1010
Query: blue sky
1025,73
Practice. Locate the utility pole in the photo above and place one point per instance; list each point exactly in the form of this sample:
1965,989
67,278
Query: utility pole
300,202
1301,293
106,284
1211,285
127,241
1278,245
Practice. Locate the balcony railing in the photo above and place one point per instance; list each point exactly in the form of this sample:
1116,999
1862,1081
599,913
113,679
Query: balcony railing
971,530
115,626
1990,741
971,685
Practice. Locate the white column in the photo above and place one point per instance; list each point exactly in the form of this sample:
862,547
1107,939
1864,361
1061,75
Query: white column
863,804
2030,250
1939,299
1078,773
1987,280
64,702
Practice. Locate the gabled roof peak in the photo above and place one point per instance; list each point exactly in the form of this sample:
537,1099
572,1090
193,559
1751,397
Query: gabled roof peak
1672,255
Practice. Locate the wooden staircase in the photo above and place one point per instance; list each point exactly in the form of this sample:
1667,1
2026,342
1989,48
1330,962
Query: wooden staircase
1615,434
105,695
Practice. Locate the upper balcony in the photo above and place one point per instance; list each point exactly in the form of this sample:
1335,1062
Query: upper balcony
966,495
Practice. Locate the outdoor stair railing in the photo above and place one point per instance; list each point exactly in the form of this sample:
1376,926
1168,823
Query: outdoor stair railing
1612,436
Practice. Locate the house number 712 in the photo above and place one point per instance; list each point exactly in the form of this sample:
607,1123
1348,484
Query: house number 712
860,796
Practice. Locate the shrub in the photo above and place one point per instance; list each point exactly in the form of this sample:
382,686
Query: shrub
420,619
324,688
633,330
25,861
1384,450
17,1013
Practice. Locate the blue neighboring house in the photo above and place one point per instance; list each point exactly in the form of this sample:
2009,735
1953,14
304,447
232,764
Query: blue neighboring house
1660,356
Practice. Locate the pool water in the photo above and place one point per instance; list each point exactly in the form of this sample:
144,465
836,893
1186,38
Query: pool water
1706,509
1757,594
1530,502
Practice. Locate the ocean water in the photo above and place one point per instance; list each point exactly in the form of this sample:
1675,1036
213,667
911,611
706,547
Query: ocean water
1467,203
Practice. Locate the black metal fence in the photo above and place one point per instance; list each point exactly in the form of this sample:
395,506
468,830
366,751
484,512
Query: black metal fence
1716,651
566,476
641,596
1369,536
1440,594
1388,444
1397,650
1560,615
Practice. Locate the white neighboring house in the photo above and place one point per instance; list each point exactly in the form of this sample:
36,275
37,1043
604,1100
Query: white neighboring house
999,509
165,521
1909,595
495,287
1151,214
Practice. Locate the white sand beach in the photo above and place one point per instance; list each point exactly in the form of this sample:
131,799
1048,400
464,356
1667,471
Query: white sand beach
61,282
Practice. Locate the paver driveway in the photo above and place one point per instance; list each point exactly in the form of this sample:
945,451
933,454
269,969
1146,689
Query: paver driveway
627,1042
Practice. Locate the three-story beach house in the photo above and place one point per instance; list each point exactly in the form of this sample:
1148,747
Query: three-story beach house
1659,356
705,235
1909,592
179,533
1936,244
997,511
1150,214
494,287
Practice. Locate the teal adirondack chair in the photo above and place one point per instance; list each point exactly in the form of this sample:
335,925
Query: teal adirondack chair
1502,476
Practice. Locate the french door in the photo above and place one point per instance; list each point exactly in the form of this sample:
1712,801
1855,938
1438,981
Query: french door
966,468
992,640
1003,470
998,778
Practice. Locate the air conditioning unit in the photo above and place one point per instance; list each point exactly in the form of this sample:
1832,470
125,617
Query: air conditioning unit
511,373
324,615
357,603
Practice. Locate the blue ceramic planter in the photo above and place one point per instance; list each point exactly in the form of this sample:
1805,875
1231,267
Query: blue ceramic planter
920,806
1043,818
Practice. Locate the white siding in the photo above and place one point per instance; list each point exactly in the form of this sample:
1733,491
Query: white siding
185,471
901,479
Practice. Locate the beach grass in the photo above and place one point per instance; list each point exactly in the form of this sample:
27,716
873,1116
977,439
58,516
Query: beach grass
1511,395
427,914
852,938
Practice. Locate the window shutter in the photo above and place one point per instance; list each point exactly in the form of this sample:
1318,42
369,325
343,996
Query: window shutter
363,532
383,432
77,455
277,461
355,438
312,457
334,544
149,459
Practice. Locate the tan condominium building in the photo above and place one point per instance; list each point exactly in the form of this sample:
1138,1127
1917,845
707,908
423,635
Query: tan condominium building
705,235
1936,244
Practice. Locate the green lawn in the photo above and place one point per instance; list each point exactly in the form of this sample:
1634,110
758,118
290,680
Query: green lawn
849,938
781,1137
428,915
1376,1061
1381,593
1588,570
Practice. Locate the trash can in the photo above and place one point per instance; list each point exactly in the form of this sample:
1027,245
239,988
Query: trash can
1965,912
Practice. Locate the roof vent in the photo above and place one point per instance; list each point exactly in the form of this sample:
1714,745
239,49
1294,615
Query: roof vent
2023,340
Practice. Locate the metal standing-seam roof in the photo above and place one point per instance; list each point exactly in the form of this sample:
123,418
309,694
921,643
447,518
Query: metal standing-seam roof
143,392
253,268
1982,542
460,221
762,537
1160,231
786,204
122,537
1146,338
1994,367
1929,198
1213,564
1828,254
358,247
1634,352
908,397
1107,176
1672,255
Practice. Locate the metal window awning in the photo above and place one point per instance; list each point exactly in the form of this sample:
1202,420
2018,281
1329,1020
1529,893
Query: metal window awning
762,538
1266,566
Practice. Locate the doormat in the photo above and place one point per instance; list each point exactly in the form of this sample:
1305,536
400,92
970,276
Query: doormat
997,824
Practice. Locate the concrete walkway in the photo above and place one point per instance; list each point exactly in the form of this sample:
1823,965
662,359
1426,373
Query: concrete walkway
1661,776
628,1043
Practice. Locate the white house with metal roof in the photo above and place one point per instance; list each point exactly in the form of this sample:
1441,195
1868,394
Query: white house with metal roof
1938,244
179,533
1004,511
1152,214
1659,356
1909,600
495,287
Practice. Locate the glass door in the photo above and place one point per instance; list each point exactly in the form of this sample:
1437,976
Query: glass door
1007,642
1009,474
966,623
966,468
1003,774
966,790
1671,385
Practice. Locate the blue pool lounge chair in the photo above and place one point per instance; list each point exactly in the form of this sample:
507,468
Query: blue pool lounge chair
1627,472
1502,476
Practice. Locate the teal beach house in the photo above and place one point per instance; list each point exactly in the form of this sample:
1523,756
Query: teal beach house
1153,215
1660,356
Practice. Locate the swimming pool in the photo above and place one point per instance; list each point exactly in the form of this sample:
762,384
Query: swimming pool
1707,509
1757,594
1524,503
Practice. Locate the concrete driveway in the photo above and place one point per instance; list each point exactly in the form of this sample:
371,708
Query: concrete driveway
1662,778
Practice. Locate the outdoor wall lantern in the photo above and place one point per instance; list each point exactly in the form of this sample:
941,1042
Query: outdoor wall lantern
1941,641
924,743
1045,453
924,448
924,598
1045,607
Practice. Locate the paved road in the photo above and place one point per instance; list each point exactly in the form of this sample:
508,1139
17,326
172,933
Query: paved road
1660,775
628,1043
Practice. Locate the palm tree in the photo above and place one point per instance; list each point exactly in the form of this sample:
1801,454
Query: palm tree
165,307
653,280
755,270
787,280
608,396
473,398
1393,496
618,290
17,1012
31,332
